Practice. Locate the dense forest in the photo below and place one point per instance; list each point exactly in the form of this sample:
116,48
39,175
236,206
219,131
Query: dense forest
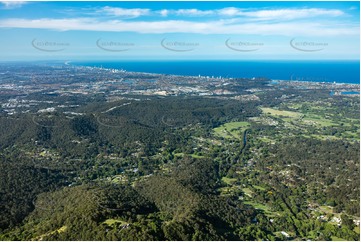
284,166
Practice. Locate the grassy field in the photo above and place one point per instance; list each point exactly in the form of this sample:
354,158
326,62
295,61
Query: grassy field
197,156
266,139
229,181
326,209
319,115
192,155
247,191
257,205
236,125
353,135
111,222
334,238
318,120
229,190
259,188
231,130
263,207
224,191
311,105
60,230
303,118
279,113
119,179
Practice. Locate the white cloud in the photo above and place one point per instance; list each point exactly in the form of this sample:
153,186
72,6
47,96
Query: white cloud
229,11
126,12
281,14
271,14
182,26
193,12
164,12
293,13
185,12
12,4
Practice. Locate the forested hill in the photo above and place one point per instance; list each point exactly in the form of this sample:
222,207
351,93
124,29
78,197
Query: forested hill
255,162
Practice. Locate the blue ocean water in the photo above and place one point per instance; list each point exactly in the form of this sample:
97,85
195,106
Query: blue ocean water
317,71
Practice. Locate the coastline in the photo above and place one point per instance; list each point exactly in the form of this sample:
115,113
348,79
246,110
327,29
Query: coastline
312,83
288,82
306,71
337,89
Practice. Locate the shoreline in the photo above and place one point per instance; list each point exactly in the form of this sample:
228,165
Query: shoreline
94,65
316,82
80,65
225,78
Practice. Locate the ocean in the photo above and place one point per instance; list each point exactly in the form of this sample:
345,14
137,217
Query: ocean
315,71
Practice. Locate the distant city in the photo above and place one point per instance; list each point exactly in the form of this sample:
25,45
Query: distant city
68,80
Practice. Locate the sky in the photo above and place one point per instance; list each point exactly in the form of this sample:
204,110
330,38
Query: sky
179,30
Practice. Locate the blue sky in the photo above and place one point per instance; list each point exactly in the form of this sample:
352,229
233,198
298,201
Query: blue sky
179,30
